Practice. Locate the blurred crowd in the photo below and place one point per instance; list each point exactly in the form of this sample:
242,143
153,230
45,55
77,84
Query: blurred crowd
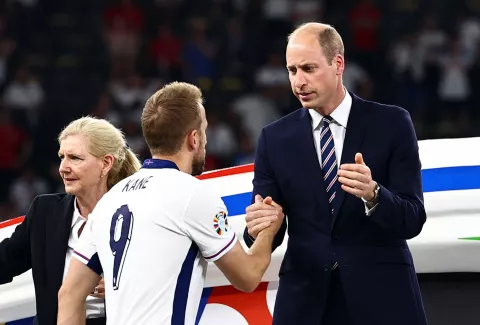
60,60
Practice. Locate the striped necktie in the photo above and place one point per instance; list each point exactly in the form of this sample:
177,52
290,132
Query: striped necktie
329,160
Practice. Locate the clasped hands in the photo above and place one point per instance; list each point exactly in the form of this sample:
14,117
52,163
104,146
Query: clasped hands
355,179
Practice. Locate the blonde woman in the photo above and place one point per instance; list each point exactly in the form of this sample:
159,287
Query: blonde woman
94,156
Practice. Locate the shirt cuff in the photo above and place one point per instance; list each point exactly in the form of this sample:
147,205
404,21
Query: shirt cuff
370,211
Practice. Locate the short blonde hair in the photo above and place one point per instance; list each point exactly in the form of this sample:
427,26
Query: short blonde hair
104,138
169,115
330,40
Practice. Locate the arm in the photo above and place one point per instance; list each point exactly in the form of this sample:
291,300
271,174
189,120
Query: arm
400,206
78,284
264,183
207,224
243,269
15,253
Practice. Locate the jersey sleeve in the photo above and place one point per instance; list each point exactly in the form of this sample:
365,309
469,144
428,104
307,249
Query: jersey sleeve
207,223
86,250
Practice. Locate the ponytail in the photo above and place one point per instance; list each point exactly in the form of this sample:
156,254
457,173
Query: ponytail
128,166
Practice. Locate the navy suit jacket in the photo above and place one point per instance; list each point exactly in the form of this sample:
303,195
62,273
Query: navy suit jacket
375,265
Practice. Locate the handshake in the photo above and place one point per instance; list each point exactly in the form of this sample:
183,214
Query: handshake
264,217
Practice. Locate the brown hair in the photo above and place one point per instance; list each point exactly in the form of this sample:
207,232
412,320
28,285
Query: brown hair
104,138
330,40
169,115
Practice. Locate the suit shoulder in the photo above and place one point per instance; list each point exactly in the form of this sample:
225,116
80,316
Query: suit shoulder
52,199
284,121
388,110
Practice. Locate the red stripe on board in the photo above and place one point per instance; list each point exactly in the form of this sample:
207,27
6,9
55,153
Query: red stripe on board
207,175
227,171
11,222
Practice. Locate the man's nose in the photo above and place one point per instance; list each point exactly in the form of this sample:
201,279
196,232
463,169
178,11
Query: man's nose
300,80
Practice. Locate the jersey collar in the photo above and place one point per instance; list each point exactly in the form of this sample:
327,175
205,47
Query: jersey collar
159,164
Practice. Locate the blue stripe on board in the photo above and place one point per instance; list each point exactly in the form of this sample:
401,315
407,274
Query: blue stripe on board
434,180
451,179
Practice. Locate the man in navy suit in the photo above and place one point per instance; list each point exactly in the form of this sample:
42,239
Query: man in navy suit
347,175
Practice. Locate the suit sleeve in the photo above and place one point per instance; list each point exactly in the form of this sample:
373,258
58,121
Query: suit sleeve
265,184
15,253
400,207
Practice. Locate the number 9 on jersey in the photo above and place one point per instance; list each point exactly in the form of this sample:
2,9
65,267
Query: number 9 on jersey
120,236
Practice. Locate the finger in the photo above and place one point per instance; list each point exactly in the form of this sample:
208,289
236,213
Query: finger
258,198
351,190
260,227
265,213
354,176
253,223
352,183
276,205
258,206
268,200
359,159
356,168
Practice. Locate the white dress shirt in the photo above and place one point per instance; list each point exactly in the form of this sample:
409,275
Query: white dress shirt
95,306
338,127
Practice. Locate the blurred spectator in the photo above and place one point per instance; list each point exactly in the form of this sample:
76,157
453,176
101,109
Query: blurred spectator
25,188
221,142
24,95
307,10
364,21
7,47
198,54
165,50
14,151
454,88
123,25
256,110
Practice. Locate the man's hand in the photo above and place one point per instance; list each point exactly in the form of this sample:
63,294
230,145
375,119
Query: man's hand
274,225
262,214
99,291
357,179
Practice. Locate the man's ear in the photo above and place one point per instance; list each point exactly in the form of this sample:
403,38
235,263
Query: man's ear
340,63
192,140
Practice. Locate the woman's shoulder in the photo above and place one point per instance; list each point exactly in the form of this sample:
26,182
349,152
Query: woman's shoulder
52,198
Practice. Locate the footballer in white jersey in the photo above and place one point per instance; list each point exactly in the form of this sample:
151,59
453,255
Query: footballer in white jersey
152,235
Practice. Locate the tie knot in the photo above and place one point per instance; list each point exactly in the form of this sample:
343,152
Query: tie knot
327,119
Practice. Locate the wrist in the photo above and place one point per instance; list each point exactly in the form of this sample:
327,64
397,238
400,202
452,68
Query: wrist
265,235
373,197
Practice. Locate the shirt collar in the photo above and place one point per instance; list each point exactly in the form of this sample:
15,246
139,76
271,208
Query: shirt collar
76,214
339,115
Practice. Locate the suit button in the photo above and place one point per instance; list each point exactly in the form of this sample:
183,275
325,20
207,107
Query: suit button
326,268
335,237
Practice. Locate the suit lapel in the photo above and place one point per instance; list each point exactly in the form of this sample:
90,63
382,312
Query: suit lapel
58,231
356,126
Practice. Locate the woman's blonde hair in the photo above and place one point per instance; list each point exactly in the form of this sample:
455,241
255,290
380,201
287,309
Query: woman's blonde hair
104,138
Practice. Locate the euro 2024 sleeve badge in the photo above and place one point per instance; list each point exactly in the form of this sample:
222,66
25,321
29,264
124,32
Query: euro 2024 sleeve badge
220,223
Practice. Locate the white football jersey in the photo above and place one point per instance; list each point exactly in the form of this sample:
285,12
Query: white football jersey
151,235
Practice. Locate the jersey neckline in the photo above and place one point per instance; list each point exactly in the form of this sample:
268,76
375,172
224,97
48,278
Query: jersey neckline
159,164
